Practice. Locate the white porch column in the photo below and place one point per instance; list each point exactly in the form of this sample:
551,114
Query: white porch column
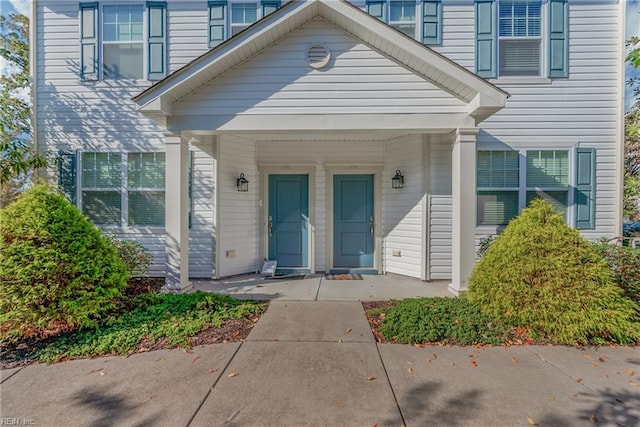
176,214
463,195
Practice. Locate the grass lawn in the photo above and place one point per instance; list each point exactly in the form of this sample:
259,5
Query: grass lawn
151,321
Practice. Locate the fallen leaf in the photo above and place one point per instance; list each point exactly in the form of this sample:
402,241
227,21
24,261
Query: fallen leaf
630,372
347,331
195,359
410,371
409,363
606,375
94,370
532,421
235,334
593,418
586,356
620,401
102,374
22,346
233,374
340,405
371,378
375,425
595,365
634,383
601,359
552,398
514,360
578,380
473,363
211,371
435,356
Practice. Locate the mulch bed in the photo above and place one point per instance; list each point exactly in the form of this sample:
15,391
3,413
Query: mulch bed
375,320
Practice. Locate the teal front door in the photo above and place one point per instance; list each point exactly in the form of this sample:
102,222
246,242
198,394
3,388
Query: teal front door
353,233
288,221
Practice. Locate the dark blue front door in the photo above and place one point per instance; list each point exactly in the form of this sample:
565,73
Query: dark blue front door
353,221
288,222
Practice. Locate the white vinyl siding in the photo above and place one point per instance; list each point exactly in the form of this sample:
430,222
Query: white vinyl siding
440,213
279,81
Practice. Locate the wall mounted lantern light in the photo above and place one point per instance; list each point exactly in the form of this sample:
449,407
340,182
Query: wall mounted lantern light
398,180
242,183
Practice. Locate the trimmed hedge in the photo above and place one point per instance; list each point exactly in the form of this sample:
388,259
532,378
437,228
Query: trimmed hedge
57,271
542,275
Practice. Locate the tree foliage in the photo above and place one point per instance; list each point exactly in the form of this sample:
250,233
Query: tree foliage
541,275
632,138
17,158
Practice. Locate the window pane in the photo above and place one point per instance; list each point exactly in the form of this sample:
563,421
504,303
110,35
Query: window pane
498,169
146,208
101,170
122,23
244,13
519,18
402,11
520,57
123,61
146,170
547,168
557,198
102,207
408,29
497,207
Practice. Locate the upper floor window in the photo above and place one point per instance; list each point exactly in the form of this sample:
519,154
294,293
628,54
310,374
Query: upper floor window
516,38
519,37
123,41
229,17
421,20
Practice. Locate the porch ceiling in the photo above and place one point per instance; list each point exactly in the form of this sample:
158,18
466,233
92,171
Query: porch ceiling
482,98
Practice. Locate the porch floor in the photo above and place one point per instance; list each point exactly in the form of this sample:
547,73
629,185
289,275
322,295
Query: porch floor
315,287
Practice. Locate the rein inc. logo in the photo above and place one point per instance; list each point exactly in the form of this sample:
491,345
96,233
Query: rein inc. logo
9,421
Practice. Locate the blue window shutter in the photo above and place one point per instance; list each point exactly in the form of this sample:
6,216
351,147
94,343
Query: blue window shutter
89,41
67,171
558,40
269,7
486,39
157,39
431,22
376,8
217,22
585,190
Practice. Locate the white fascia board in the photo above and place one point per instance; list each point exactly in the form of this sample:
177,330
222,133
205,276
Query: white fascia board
320,122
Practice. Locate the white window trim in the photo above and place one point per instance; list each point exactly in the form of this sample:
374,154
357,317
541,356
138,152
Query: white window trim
145,37
522,189
123,190
417,14
229,19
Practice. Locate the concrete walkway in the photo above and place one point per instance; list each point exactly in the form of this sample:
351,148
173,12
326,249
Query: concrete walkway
316,363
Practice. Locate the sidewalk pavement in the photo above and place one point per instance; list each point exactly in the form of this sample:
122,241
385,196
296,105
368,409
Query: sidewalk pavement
317,363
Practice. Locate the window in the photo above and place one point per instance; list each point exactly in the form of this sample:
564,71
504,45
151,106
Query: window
131,45
122,44
402,16
228,18
519,37
112,198
498,181
502,190
421,20
242,15
516,38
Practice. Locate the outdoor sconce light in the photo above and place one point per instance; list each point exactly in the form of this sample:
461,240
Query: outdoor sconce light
398,180
242,183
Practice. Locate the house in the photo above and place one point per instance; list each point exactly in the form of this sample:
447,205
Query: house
379,136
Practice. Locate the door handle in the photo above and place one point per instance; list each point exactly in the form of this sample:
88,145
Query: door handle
371,225
270,225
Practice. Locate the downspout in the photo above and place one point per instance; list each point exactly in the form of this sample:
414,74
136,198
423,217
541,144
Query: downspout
33,67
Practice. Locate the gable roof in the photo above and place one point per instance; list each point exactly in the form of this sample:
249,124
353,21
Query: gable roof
483,98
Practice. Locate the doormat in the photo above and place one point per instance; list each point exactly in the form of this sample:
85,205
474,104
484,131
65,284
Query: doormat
343,276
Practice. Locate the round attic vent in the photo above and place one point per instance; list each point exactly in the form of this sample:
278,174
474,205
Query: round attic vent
318,56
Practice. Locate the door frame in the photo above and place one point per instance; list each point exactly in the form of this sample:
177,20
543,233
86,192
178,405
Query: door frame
263,206
374,169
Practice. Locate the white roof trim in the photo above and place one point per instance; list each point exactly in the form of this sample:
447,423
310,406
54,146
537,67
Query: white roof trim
484,98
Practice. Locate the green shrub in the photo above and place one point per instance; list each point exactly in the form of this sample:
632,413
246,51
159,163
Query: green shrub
57,270
542,275
624,261
133,255
445,320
